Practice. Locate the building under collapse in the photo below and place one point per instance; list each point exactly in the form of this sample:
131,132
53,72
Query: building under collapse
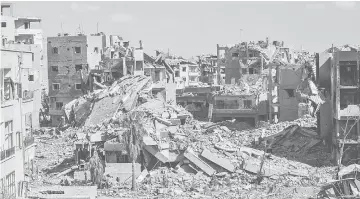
70,60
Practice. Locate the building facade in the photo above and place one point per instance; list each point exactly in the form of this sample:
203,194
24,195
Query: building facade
20,103
70,60
25,30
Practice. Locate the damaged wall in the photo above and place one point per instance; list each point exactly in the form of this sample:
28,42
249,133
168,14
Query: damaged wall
289,79
67,59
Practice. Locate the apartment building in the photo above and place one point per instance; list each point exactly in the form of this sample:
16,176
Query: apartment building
70,61
25,30
339,77
20,104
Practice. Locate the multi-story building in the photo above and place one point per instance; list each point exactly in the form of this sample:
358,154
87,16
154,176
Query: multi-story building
70,61
194,74
339,77
20,104
208,68
25,30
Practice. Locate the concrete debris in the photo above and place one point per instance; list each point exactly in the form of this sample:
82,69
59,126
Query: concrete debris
181,155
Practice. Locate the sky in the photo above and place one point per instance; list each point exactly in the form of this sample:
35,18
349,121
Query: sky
194,28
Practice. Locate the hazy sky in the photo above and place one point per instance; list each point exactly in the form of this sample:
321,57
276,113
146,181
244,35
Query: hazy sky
193,28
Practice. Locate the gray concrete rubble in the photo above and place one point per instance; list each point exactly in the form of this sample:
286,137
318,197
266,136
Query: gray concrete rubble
180,156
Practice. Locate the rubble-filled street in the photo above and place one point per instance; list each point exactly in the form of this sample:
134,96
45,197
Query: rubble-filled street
187,158
252,100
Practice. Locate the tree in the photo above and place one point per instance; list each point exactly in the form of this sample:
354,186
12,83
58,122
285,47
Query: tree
346,132
96,169
133,138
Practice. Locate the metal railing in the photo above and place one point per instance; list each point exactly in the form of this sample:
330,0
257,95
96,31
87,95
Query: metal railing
7,153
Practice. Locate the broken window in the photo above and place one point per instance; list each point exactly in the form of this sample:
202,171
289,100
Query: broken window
3,24
31,78
139,65
244,71
231,104
157,75
219,104
184,79
59,105
251,71
96,50
9,134
177,73
77,50
55,50
112,54
235,54
78,67
56,86
55,68
247,104
290,92
184,69
348,73
348,97
78,86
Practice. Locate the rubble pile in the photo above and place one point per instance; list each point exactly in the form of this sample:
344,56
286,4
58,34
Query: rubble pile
248,84
122,95
185,157
347,186
346,47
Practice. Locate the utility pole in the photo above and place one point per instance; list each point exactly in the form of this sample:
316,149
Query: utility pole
62,31
270,93
240,35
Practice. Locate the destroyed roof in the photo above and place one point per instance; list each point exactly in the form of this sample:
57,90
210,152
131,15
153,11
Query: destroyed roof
152,65
346,47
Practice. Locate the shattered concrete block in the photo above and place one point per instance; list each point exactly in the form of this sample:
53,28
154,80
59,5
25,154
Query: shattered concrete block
142,176
175,121
225,163
189,154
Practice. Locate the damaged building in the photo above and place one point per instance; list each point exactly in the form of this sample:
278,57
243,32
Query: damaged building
208,69
70,60
339,116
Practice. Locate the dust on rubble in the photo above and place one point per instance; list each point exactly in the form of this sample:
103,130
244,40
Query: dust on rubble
236,151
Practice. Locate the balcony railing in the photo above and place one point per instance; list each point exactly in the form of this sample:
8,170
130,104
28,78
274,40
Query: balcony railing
28,95
7,153
28,141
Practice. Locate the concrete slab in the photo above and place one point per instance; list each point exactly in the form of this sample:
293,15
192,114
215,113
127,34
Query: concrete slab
190,155
225,163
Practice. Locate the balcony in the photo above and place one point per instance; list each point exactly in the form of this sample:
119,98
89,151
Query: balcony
29,140
28,31
194,73
7,153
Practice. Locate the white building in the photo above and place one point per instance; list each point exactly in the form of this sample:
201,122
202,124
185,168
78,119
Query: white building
26,30
20,100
